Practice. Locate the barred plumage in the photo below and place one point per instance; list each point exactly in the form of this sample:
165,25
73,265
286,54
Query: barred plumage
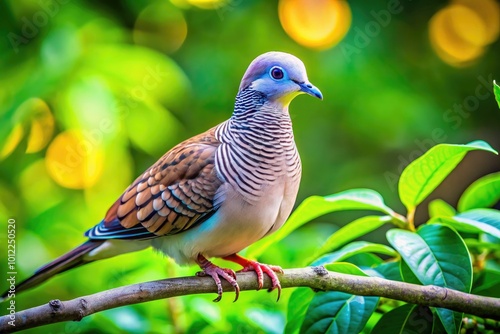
258,147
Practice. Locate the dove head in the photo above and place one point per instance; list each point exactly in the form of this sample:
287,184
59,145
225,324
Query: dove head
280,76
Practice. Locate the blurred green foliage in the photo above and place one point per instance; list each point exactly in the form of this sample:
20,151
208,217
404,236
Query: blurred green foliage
136,77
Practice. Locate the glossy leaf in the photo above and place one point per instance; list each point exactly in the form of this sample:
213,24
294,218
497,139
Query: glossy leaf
437,255
439,208
338,312
365,260
316,206
359,199
483,193
297,307
389,270
484,237
474,221
407,274
351,231
408,319
352,249
345,268
451,321
424,174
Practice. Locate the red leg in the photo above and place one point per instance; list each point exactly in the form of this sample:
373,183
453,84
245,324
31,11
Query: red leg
259,269
214,271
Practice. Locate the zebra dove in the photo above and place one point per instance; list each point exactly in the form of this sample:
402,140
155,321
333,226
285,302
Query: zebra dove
216,193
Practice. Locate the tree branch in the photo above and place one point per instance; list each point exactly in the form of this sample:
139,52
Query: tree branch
317,278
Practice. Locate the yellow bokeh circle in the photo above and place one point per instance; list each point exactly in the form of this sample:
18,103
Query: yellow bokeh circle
318,24
460,32
489,11
74,161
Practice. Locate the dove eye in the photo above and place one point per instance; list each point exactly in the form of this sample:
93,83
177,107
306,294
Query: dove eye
277,73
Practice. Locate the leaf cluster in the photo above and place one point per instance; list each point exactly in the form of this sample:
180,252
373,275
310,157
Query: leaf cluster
456,248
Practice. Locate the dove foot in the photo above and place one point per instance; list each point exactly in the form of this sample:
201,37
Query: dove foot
259,269
210,269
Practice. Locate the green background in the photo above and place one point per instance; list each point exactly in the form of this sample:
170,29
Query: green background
383,107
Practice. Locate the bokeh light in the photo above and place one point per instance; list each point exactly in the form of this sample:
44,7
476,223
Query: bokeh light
318,24
33,181
74,161
460,32
489,11
117,166
35,120
42,125
12,141
160,26
204,4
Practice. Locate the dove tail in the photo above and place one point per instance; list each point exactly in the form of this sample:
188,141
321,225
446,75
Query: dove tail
72,259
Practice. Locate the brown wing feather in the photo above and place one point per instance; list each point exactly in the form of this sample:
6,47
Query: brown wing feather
175,192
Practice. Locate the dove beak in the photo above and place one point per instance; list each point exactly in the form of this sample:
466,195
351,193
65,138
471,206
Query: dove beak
310,89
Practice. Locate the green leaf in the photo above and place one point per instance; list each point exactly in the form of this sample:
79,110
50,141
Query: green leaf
451,321
297,307
358,199
437,255
407,274
496,89
473,243
338,312
439,208
438,326
352,249
424,174
390,270
408,319
365,260
483,193
345,268
372,321
351,231
316,206
474,221
483,237
487,284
